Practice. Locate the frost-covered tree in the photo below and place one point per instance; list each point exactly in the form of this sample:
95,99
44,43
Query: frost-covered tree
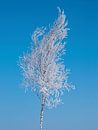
43,68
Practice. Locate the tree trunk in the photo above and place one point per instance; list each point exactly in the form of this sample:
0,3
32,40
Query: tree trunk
41,112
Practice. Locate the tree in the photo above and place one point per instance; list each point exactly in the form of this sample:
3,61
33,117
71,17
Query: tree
43,67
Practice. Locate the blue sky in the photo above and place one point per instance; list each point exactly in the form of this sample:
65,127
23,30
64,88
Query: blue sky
20,111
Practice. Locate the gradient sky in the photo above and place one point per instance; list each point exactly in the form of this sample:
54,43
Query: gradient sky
20,111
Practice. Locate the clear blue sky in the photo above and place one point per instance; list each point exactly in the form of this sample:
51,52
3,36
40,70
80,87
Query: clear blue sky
20,111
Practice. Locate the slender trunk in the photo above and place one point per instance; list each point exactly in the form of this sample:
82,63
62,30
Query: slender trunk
41,112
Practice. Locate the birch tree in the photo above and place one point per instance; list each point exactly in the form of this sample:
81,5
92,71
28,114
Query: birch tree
43,67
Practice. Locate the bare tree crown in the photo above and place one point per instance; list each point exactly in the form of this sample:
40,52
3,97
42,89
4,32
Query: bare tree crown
43,68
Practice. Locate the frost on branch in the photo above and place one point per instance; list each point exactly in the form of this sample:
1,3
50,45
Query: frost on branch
43,68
